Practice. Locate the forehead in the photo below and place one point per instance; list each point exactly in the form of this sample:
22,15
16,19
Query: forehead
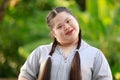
61,17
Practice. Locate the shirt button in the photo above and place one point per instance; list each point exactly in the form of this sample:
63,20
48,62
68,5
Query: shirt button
65,60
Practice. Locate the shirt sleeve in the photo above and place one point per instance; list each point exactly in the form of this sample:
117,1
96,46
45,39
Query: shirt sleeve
101,68
30,68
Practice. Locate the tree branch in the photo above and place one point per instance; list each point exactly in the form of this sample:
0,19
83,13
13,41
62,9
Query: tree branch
3,7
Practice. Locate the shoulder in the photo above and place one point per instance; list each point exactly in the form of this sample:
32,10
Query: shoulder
40,50
86,47
93,54
44,47
90,51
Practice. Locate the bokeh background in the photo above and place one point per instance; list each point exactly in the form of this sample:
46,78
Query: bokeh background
23,28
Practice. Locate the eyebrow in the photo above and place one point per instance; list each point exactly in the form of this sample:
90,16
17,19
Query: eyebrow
67,18
64,21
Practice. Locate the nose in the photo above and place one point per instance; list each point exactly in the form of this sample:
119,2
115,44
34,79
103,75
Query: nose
66,26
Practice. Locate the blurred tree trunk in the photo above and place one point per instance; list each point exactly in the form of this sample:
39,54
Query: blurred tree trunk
3,7
81,4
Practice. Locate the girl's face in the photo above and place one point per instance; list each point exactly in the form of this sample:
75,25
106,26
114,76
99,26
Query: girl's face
65,28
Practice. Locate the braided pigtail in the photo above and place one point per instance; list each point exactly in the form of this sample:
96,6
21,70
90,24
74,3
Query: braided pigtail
47,69
45,75
75,72
53,47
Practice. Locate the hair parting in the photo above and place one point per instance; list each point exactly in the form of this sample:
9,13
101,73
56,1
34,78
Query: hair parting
55,11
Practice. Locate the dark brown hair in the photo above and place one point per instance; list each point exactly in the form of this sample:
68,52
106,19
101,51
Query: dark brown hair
75,71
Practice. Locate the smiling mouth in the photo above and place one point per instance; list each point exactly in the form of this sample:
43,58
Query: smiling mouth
69,32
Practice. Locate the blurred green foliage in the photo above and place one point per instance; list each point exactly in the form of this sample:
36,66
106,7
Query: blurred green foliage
23,28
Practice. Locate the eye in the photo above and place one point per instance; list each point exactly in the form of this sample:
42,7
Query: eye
60,26
68,21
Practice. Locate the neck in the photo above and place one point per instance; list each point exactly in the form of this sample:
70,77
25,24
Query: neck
69,44
68,47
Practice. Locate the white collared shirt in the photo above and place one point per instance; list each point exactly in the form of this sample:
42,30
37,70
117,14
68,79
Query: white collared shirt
94,65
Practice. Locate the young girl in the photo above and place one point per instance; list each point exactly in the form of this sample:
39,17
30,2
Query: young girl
68,57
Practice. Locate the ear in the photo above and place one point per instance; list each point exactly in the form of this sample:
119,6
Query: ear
52,34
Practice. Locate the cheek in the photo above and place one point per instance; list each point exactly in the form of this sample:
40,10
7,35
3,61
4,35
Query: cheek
76,23
53,33
76,26
60,36
56,34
